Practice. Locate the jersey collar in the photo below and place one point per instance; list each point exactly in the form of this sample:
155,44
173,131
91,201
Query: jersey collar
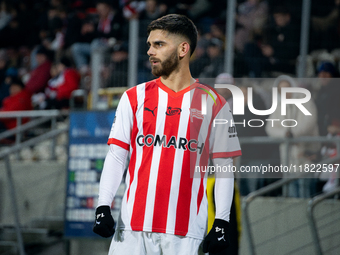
173,93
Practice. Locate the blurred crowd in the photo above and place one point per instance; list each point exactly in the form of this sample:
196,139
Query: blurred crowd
324,121
46,47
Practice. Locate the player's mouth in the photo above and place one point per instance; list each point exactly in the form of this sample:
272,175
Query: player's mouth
154,61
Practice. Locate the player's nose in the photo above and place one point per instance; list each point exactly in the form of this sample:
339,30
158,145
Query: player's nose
151,52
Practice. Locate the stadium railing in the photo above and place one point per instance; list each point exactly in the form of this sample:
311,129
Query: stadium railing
37,118
312,221
43,116
284,181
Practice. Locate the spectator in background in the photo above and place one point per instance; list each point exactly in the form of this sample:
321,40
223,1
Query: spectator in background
51,30
5,14
328,105
199,58
75,20
253,153
217,30
18,100
151,12
47,23
327,99
3,65
184,7
13,33
55,39
250,20
132,9
307,126
94,35
116,74
216,59
278,49
58,91
39,76
325,25
4,86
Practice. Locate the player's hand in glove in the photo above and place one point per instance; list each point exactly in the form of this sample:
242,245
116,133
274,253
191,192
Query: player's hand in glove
104,223
217,240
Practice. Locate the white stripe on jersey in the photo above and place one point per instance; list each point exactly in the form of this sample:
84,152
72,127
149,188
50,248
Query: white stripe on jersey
156,155
203,132
176,178
139,156
193,223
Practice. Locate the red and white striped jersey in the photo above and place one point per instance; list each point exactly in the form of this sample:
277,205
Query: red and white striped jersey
167,136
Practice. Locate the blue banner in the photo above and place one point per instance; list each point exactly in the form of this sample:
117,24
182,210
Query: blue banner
88,135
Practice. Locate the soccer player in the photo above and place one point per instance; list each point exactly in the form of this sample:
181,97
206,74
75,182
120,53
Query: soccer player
162,126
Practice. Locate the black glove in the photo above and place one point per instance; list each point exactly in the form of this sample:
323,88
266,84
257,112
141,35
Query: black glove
217,240
104,223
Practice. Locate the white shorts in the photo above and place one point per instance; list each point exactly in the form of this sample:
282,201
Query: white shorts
148,243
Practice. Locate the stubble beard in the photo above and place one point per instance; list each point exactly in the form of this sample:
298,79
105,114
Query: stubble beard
167,66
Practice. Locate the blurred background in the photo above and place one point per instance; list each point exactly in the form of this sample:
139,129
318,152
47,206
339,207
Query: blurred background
65,64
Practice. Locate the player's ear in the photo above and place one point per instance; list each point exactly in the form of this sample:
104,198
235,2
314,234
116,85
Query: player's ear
184,49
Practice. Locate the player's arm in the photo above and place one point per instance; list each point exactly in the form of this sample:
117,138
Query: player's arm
112,174
114,166
224,145
217,240
110,180
224,189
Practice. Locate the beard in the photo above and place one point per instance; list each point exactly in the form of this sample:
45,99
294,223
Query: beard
166,67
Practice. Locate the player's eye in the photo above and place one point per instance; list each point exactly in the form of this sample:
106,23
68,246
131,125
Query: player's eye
159,44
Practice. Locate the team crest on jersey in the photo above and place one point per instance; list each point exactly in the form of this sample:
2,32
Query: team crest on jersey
173,111
194,113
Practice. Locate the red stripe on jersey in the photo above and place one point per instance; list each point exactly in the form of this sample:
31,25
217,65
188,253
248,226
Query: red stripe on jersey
226,154
204,161
184,197
119,143
189,161
132,94
149,127
200,194
166,164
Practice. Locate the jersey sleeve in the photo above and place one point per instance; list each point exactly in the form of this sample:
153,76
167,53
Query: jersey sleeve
224,190
112,174
223,141
122,124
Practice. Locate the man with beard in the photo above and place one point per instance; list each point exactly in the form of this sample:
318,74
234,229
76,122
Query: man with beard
163,128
